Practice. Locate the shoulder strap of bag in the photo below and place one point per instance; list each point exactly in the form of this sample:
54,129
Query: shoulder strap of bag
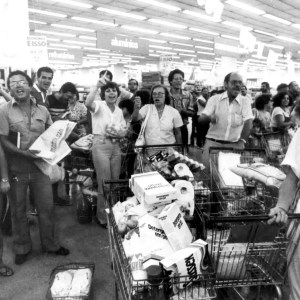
143,127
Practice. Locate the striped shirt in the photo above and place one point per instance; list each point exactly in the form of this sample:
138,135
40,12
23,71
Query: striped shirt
56,107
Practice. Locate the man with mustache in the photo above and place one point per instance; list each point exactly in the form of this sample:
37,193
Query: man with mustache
22,121
230,117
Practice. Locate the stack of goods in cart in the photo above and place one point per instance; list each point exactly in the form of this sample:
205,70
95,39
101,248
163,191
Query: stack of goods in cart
159,234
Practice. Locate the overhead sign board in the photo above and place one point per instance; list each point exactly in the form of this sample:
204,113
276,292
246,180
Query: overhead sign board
69,56
121,43
227,47
38,50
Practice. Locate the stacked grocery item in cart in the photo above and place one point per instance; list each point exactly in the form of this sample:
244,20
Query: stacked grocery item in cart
159,236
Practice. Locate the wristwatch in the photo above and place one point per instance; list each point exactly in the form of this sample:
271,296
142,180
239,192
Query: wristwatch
4,180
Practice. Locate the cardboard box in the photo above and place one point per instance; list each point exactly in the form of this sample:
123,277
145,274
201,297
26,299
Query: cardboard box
152,189
175,227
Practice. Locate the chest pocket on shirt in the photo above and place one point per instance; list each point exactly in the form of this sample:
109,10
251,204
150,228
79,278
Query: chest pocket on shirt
236,119
17,124
38,125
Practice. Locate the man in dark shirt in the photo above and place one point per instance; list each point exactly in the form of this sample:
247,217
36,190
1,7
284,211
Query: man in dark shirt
22,121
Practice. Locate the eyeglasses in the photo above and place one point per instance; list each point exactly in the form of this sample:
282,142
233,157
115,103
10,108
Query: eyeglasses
158,94
20,83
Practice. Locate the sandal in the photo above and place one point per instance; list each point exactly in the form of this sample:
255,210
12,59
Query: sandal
6,271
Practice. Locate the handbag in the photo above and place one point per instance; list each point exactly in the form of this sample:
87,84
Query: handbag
141,138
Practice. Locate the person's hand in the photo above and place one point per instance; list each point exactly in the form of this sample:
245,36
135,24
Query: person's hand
32,154
213,119
277,215
241,145
102,81
4,187
137,102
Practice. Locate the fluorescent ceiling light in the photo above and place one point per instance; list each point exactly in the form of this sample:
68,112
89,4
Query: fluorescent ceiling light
236,25
181,44
53,39
54,33
203,41
94,21
154,40
277,19
246,7
87,37
135,56
63,62
116,54
55,48
139,29
226,36
206,53
183,50
264,33
203,31
37,22
206,60
166,23
200,16
160,47
176,36
294,25
65,46
45,12
205,48
160,4
166,52
75,3
79,43
191,62
121,13
94,49
189,55
287,39
72,27
154,55
273,46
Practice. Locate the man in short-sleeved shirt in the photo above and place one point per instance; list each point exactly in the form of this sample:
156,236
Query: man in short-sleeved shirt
22,121
230,117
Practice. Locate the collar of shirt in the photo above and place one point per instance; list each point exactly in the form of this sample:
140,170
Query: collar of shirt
32,100
224,96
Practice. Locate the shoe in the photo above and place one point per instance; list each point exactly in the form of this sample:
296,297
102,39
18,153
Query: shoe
61,251
103,225
6,271
33,212
20,258
66,201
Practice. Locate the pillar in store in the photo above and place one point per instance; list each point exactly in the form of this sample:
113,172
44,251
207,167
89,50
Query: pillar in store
118,72
14,29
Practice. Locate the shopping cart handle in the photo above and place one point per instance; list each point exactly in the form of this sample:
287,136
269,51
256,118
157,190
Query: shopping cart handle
252,218
218,149
159,146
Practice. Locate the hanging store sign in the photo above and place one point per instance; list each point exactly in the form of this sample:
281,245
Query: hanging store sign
38,50
122,43
227,47
69,56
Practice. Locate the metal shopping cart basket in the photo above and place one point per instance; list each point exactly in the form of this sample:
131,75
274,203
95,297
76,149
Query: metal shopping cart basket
128,288
248,252
276,144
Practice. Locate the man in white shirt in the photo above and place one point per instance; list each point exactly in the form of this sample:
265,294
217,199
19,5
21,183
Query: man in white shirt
41,87
230,117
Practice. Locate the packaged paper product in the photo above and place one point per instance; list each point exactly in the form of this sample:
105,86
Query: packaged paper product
225,162
153,238
62,284
185,196
151,188
266,174
182,170
187,262
81,282
175,227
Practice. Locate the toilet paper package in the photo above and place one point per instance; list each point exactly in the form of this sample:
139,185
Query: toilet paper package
175,227
152,189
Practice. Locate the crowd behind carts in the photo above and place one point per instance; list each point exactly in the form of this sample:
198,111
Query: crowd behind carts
114,115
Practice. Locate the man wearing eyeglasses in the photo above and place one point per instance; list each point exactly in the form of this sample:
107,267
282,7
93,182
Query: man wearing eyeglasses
22,121
230,117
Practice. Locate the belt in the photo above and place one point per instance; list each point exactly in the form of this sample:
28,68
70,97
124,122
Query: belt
221,142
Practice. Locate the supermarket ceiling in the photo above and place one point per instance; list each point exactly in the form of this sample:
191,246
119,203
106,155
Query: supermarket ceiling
181,28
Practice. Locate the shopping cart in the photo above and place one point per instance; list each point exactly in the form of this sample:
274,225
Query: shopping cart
276,144
229,197
248,252
128,288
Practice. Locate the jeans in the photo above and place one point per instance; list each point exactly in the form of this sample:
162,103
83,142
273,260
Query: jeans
107,163
41,188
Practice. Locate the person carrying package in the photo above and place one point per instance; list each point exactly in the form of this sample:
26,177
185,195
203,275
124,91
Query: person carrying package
230,118
22,121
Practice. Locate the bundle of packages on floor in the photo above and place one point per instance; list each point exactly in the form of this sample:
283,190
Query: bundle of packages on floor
171,164
72,284
153,224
